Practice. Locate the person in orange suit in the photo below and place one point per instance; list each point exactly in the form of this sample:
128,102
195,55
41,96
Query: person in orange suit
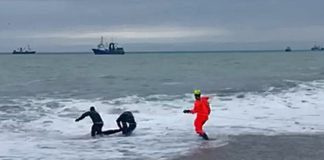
202,109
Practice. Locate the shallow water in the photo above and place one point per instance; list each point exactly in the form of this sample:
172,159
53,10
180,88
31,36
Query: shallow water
258,93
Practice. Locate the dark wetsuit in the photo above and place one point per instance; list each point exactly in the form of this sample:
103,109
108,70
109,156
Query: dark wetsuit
124,119
97,122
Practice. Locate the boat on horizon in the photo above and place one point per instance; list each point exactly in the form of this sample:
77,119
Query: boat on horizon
317,48
24,51
110,49
288,49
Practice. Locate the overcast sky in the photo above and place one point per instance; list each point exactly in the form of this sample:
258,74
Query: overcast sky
76,25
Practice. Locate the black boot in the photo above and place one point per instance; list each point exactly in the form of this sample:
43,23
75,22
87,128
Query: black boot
204,136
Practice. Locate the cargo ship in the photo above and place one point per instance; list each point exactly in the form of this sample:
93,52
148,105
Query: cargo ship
110,49
24,51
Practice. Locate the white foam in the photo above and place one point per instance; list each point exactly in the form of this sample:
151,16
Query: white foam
163,130
297,110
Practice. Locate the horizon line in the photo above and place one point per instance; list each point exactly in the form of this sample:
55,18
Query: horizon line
169,51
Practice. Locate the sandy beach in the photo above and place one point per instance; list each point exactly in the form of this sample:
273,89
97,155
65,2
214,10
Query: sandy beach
259,147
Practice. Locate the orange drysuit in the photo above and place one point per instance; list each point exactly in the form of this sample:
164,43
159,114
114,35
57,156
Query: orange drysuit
201,107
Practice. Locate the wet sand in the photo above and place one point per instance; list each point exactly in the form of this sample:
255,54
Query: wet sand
259,147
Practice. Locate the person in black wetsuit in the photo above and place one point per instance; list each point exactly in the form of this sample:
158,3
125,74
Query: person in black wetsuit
126,123
96,119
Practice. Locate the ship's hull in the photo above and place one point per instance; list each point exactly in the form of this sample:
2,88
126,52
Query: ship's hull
287,50
317,49
27,52
107,52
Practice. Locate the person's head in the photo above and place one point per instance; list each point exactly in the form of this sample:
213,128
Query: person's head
92,108
197,94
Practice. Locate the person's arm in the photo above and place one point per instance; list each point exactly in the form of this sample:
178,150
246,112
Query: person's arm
194,110
82,116
188,111
118,122
208,106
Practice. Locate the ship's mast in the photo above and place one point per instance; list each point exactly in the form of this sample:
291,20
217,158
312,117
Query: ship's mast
101,40
101,45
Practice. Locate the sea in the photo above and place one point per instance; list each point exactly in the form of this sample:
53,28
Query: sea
258,93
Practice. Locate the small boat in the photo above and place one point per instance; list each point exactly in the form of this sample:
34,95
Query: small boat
110,49
288,49
24,51
316,48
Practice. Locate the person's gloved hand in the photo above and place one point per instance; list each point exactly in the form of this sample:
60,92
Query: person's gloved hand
76,120
186,111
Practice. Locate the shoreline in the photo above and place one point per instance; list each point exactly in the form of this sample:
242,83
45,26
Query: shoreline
263,147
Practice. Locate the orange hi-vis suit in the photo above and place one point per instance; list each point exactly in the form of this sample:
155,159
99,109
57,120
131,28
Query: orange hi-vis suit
201,107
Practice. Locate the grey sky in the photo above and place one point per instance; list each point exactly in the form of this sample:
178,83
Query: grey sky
76,25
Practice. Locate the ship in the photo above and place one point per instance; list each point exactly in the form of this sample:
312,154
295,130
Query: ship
24,51
288,49
317,48
110,49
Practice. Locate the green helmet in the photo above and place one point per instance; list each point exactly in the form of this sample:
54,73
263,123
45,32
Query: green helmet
196,92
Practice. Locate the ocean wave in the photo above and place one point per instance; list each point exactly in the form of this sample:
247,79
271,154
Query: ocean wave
161,123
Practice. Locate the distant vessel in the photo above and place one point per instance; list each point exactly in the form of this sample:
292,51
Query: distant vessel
288,49
110,49
24,51
317,48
